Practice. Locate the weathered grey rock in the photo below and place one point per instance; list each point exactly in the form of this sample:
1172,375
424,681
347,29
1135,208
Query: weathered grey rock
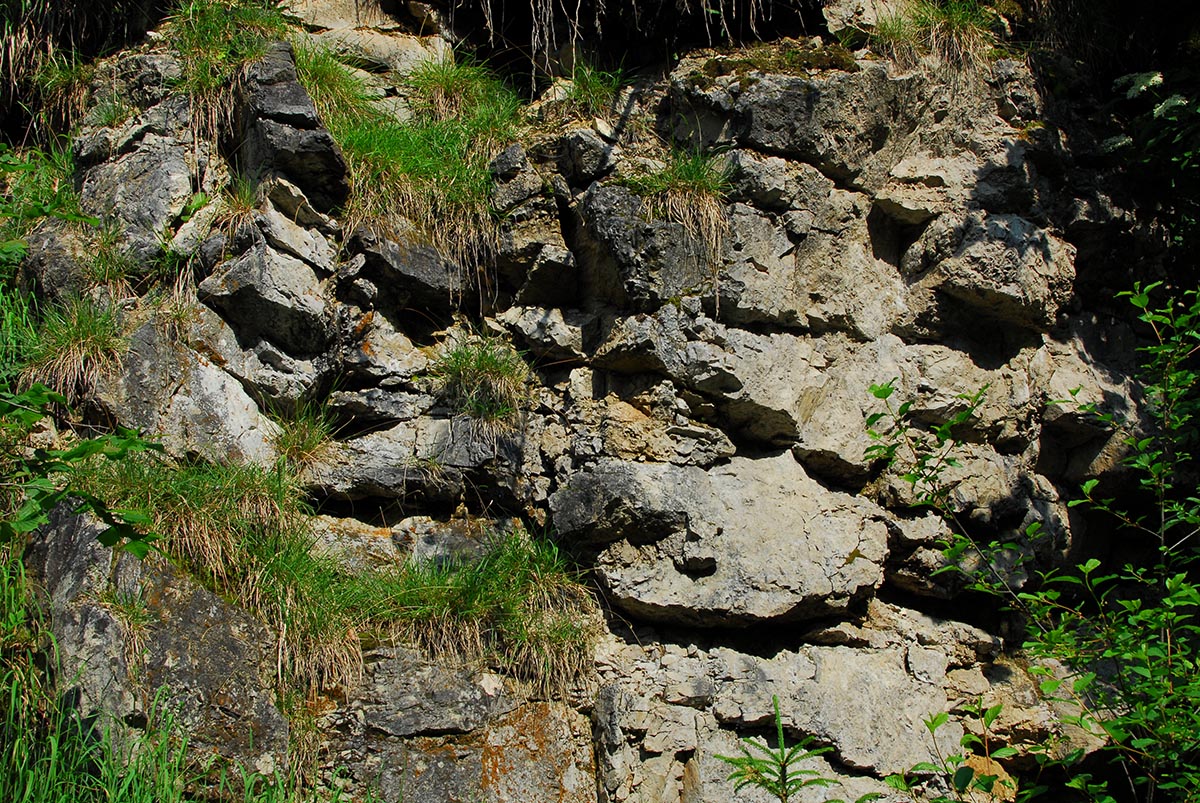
197,656
537,752
55,263
836,121
280,132
287,237
550,334
426,460
265,371
753,540
143,191
182,399
856,16
755,381
1001,266
588,156
375,350
403,696
399,275
382,51
634,263
377,405
267,294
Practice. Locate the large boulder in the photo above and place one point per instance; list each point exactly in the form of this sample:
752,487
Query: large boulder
753,540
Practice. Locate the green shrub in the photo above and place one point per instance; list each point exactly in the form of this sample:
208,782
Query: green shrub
1128,633
482,378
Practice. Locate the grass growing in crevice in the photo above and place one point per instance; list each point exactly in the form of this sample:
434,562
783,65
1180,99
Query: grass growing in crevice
243,530
431,171
688,190
956,32
215,41
306,434
74,344
481,377
35,183
519,609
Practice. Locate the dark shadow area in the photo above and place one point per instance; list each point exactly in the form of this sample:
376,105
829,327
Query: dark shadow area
630,34
67,27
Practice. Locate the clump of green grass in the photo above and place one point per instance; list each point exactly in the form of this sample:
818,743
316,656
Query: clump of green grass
305,434
75,343
430,171
18,330
519,608
238,204
110,265
688,190
215,40
956,32
483,378
62,82
591,92
34,183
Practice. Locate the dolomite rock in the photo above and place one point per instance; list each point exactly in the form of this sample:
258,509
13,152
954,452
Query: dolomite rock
280,133
267,294
856,16
631,262
143,191
836,121
182,399
1000,266
749,541
262,368
203,659
390,275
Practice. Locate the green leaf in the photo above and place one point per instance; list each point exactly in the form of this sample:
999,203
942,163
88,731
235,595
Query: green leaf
962,778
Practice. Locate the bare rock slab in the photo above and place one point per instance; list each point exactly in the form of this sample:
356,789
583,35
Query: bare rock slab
751,541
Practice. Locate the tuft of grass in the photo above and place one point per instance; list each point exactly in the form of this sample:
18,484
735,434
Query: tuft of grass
689,191
33,184
482,378
519,608
18,330
75,343
305,434
430,171
956,32
592,92
129,608
239,202
62,81
215,40
111,267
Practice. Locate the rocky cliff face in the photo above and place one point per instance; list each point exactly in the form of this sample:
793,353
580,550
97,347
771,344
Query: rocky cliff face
695,432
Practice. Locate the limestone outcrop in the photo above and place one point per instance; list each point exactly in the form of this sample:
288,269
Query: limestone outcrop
693,429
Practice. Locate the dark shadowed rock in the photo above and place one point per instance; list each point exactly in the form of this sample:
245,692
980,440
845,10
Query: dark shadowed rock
201,658
280,133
